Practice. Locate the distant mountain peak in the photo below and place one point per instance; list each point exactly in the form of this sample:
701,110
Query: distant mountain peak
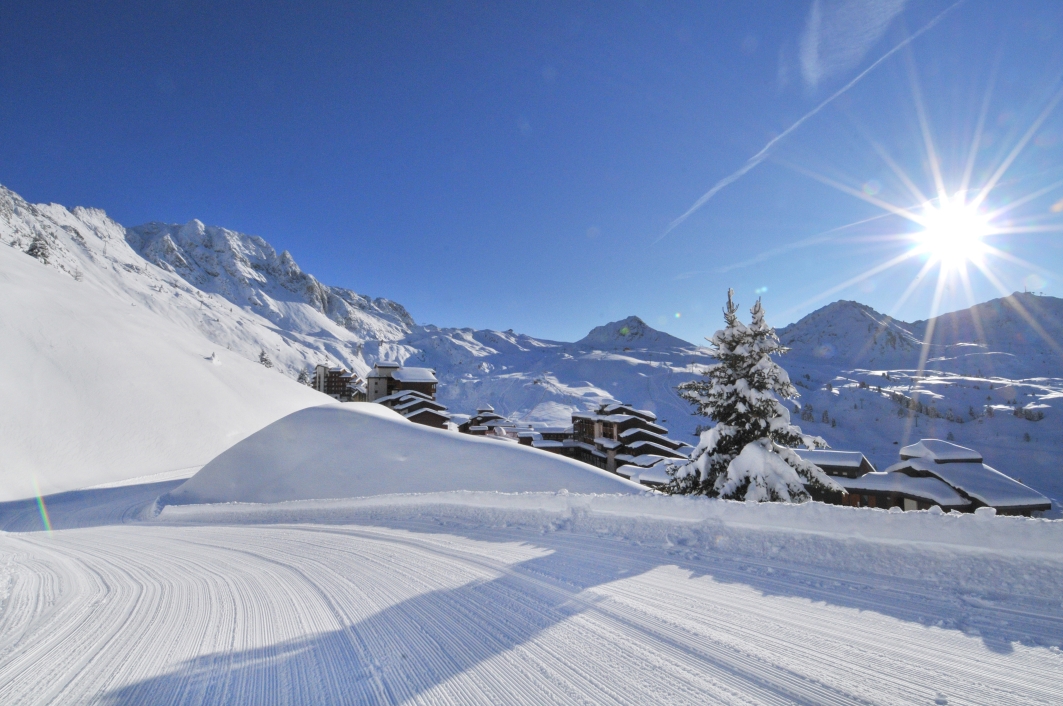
631,332
850,331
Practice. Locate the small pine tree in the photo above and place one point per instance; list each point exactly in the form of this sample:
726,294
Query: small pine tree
263,358
747,454
39,249
304,377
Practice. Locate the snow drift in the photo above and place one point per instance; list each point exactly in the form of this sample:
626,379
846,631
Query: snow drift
94,389
358,450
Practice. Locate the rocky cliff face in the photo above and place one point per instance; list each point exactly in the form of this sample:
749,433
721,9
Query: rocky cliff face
247,270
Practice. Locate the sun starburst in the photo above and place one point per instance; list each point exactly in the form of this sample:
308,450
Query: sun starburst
952,234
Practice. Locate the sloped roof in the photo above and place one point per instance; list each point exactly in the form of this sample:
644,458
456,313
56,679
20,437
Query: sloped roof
416,403
415,375
932,489
940,452
426,410
827,457
394,396
621,407
978,481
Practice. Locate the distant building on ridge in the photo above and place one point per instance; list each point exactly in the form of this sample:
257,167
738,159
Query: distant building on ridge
339,383
409,391
389,377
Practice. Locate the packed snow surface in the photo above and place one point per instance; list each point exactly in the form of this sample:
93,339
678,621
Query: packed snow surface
361,449
94,389
523,598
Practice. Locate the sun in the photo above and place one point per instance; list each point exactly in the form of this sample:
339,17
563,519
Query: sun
953,232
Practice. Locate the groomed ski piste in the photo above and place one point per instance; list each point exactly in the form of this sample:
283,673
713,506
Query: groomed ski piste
144,593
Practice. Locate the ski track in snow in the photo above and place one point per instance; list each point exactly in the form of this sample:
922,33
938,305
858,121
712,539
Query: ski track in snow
414,606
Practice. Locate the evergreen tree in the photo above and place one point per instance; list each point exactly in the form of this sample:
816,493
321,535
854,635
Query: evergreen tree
746,455
304,377
263,358
39,249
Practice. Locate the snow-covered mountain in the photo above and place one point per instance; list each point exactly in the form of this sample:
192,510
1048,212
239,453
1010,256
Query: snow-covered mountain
856,365
235,290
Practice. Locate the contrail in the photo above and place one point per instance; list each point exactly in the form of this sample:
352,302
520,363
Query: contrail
763,154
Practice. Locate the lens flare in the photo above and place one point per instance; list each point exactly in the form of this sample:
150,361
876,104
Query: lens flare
42,508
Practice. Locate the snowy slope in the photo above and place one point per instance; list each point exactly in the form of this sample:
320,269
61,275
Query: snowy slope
96,389
357,450
524,599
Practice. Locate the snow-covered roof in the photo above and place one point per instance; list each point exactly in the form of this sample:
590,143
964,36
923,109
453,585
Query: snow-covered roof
617,407
486,416
387,364
426,410
401,394
824,457
655,473
978,481
940,451
647,460
417,402
484,408
415,375
607,443
639,430
931,489
650,447
547,444
616,419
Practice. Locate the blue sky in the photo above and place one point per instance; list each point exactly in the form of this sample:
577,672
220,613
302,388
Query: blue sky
515,165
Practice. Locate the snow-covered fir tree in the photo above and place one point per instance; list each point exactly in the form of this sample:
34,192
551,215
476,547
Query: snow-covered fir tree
747,454
304,377
263,357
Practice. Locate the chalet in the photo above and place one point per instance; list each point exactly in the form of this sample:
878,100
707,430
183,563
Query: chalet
409,391
417,407
388,378
613,436
339,383
477,424
934,472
